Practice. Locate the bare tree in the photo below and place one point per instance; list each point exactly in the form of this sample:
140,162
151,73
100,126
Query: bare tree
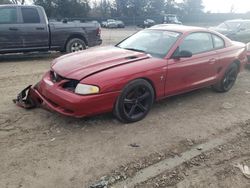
18,2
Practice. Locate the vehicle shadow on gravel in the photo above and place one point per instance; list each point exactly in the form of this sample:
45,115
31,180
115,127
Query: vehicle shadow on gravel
165,109
183,98
109,119
28,57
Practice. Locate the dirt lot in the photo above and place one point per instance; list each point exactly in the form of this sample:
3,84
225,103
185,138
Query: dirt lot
43,149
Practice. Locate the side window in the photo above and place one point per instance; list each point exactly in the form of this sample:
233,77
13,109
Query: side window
197,43
8,15
218,42
30,15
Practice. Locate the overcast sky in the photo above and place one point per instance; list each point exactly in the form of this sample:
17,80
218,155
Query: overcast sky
240,6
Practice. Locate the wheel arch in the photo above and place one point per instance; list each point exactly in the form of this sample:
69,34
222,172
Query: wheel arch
237,62
149,81
78,36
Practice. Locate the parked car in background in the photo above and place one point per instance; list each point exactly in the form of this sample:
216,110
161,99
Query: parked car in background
171,19
237,30
148,23
96,22
104,24
120,24
26,29
111,23
127,78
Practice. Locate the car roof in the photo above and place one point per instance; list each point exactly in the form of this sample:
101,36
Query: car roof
189,29
179,28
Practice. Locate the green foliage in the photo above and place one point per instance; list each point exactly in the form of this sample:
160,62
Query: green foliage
119,8
131,8
2,2
65,8
193,7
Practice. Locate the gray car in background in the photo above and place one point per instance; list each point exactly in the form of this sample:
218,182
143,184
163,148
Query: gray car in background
111,23
237,30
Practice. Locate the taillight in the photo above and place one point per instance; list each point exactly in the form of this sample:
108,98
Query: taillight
98,31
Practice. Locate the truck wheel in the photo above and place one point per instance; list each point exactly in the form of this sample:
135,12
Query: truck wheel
75,45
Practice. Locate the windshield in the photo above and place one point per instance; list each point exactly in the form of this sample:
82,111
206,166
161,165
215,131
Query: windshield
154,42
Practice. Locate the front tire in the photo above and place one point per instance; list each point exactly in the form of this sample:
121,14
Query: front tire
228,80
75,45
135,101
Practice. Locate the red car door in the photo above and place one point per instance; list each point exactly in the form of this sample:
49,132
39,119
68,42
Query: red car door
197,71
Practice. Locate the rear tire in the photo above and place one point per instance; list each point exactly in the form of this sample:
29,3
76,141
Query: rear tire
75,45
228,80
135,101
248,66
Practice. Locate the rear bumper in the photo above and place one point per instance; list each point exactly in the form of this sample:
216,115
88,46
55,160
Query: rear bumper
95,43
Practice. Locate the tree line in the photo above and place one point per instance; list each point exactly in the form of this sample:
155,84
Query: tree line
115,8
129,8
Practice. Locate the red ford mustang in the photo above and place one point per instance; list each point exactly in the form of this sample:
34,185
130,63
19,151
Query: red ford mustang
152,64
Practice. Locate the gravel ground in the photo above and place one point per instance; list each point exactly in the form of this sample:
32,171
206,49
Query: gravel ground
43,149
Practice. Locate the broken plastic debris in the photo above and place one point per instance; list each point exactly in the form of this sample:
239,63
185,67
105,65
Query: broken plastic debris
227,105
244,169
103,183
200,148
53,139
134,145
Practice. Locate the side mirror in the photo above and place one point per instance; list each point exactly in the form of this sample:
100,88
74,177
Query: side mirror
182,54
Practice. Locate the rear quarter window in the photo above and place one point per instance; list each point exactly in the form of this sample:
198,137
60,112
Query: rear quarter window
218,42
30,15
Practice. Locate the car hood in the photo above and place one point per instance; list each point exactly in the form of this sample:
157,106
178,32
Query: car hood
83,64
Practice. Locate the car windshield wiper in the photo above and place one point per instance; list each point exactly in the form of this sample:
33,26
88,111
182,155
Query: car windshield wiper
134,49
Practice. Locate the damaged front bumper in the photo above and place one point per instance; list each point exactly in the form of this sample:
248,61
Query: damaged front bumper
54,98
30,98
25,98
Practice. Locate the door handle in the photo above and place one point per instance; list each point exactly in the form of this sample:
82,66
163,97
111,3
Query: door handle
40,28
13,29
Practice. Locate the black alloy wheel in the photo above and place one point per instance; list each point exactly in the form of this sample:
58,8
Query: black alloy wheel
228,79
135,101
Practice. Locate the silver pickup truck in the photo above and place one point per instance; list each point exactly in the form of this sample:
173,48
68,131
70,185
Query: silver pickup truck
27,29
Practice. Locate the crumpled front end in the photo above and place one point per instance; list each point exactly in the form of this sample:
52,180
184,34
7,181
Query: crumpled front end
26,98
56,95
